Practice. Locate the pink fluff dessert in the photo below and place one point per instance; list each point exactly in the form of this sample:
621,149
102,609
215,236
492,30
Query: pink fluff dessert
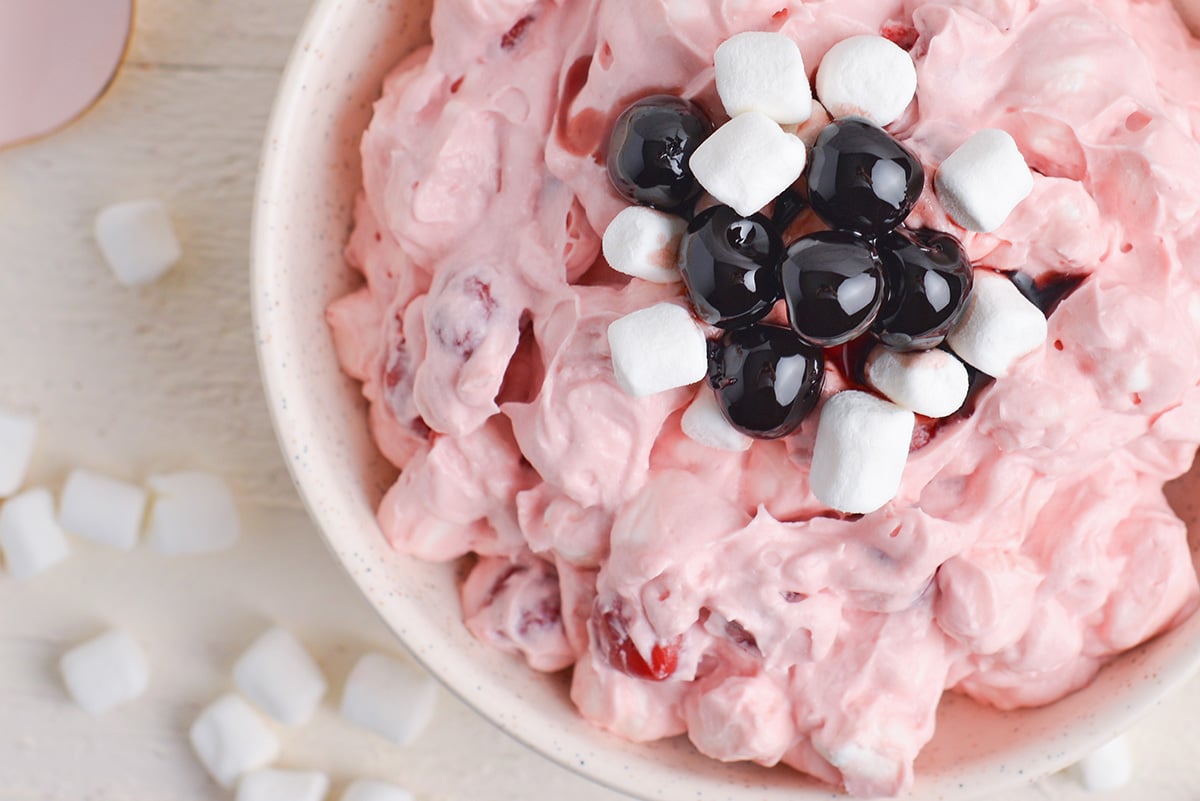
710,593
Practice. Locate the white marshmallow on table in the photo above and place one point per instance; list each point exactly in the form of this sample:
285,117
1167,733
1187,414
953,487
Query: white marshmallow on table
105,672
860,453
389,697
18,433
999,328
102,509
30,535
748,162
867,76
138,241
931,382
763,72
656,349
982,182
280,677
644,243
191,513
703,422
370,790
283,785
231,739
1108,768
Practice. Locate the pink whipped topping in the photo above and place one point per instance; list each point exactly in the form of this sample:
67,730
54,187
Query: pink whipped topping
1030,541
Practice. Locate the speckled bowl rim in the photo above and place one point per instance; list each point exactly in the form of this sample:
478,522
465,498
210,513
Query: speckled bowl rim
960,763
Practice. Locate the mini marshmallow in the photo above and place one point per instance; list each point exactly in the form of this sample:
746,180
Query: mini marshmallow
982,182
368,790
703,422
192,513
30,536
138,241
763,72
931,382
867,76
860,453
283,785
389,697
1106,769
657,349
279,676
231,739
102,509
748,162
105,672
644,243
18,433
999,328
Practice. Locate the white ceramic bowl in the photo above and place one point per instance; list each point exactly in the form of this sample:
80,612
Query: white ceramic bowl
310,175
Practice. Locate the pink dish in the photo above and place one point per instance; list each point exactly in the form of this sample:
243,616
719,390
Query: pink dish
475,474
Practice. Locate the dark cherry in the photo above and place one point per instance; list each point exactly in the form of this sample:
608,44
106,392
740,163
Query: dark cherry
730,266
652,143
767,379
833,285
861,179
928,284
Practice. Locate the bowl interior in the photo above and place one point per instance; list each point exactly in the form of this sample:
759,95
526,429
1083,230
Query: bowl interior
309,179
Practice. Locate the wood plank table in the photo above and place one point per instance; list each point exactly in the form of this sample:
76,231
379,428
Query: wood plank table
162,378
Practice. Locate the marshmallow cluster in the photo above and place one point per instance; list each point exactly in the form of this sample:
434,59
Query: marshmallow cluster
234,742
138,241
983,181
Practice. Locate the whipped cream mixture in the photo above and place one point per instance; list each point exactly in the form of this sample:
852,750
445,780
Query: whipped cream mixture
708,593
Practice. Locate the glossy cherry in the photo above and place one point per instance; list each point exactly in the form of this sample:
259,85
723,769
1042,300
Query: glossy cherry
833,286
730,266
929,282
618,649
652,143
861,179
767,380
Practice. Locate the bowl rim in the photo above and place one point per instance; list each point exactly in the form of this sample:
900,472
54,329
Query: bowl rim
290,98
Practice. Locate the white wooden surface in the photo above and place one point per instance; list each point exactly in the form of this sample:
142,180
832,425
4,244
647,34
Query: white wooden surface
162,378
